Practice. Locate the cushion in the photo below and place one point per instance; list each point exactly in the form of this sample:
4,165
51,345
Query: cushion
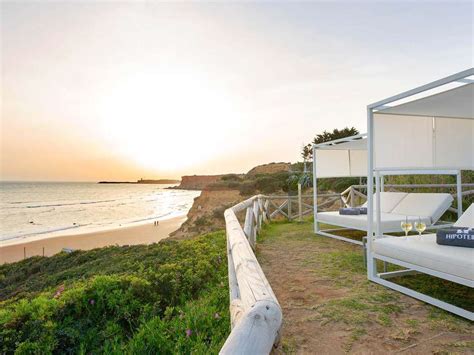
431,205
456,236
388,201
467,218
390,222
427,253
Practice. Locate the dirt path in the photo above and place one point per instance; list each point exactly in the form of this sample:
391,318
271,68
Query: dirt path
330,308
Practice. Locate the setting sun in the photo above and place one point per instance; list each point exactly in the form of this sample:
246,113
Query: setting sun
140,111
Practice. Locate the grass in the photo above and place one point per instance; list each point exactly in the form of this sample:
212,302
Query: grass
165,298
361,305
342,265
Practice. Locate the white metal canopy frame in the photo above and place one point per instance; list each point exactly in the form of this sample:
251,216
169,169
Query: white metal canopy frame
347,157
431,135
344,157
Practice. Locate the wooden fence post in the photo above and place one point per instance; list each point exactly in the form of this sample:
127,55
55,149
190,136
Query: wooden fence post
260,213
256,215
266,209
289,207
352,196
248,226
300,204
263,204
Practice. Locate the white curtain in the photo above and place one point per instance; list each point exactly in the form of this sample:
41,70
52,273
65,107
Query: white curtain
332,163
454,143
358,162
402,141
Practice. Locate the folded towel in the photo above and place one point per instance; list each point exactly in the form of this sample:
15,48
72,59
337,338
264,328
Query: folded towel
457,237
352,211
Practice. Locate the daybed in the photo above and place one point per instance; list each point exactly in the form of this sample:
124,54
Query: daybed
425,252
431,135
396,207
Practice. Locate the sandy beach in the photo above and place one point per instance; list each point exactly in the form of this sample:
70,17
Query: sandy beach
141,234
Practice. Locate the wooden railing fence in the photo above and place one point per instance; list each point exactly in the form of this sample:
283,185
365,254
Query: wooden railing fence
254,310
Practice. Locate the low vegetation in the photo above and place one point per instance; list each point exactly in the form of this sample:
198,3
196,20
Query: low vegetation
251,184
166,298
322,286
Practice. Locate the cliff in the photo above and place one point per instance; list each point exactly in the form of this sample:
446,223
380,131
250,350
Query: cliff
198,182
143,181
269,168
159,181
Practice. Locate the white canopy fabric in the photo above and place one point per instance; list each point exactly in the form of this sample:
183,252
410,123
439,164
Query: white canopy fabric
433,132
455,103
342,160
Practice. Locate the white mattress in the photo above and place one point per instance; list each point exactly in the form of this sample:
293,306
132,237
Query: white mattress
389,221
425,252
424,204
388,200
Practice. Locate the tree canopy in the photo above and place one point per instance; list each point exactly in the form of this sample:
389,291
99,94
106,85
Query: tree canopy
326,136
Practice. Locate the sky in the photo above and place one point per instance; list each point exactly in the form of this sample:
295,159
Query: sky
123,90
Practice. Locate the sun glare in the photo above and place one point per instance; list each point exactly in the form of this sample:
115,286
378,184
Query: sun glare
146,113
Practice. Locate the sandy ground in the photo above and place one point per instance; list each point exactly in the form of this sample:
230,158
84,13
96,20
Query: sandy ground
140,234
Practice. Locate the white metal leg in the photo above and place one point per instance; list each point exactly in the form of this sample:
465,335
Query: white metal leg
330,235
392,274
425,298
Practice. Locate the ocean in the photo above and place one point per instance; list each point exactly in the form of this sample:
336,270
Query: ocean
60,208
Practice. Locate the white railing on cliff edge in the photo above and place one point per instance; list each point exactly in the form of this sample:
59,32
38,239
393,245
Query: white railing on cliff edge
255,313
254,310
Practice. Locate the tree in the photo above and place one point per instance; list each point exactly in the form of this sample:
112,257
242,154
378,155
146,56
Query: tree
307,152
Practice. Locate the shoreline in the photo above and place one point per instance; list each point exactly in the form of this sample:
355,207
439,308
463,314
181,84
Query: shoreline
146,233
76,230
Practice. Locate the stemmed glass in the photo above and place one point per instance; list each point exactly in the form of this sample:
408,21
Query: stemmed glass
420,226
406,227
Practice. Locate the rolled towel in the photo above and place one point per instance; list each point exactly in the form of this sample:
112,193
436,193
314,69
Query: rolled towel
456,237
363,210
350,211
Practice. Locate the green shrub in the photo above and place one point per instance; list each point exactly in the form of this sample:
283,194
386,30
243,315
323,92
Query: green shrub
202,221
269,184
218,213
118,300
247,188
231,177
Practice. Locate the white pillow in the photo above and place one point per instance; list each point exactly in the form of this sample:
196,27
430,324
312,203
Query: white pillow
431,205
388,201
467,218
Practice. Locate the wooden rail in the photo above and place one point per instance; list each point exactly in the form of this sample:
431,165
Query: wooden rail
255,313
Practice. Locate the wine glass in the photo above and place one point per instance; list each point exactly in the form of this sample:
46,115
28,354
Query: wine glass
420,226
406,226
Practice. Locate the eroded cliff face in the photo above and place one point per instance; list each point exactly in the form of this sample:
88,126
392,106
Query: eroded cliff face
270,168
198,182
207,213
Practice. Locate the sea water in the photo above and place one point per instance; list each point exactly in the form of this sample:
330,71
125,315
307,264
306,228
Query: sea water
58,208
